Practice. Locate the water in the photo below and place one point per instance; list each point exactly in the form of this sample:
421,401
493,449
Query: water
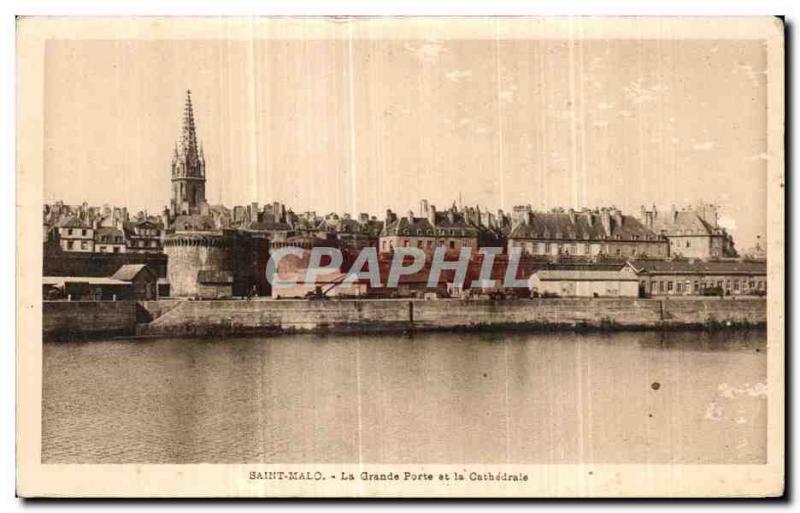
642,397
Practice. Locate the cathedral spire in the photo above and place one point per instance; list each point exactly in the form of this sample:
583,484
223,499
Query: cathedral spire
189,134
188,167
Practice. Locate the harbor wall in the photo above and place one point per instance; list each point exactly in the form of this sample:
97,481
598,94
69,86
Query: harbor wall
76,319
286,316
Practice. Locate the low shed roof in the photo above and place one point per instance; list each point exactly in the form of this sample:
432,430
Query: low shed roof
59,281
583,275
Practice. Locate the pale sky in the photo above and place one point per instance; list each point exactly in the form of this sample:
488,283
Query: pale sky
365,125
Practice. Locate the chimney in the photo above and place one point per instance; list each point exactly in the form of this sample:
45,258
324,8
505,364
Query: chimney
432,215
589,217
528,219
423,208
390,217
571,214
164,218
618,217
710,215
605,220
410,216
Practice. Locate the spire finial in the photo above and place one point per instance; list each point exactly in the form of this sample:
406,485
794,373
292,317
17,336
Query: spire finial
188,142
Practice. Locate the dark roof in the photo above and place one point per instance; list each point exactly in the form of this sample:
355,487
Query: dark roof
104,233
422,227
698,267
685,222
560,225
73,222
143,223
194,222
269,227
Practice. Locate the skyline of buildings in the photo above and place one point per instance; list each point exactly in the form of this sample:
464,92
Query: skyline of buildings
639,134
692,232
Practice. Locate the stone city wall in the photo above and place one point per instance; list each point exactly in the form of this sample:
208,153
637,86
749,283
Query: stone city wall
285,316
74,319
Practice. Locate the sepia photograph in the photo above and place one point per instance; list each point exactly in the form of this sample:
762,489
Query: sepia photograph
400,257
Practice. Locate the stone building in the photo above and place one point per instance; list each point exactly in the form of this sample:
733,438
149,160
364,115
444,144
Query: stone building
693,232
592,234
448,229
696,277
110,240
585,282
75,234
349,233
144,235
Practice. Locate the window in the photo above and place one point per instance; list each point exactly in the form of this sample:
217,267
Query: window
405,243
669,286
680,288
587,248
661,286
69,231
83,245
696,286
688,244
736,285
116,250
70,244
430,244
419,243
452,244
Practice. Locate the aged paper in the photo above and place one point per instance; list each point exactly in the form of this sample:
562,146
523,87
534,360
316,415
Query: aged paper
236,292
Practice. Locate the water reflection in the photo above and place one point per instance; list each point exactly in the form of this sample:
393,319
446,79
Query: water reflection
437,398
